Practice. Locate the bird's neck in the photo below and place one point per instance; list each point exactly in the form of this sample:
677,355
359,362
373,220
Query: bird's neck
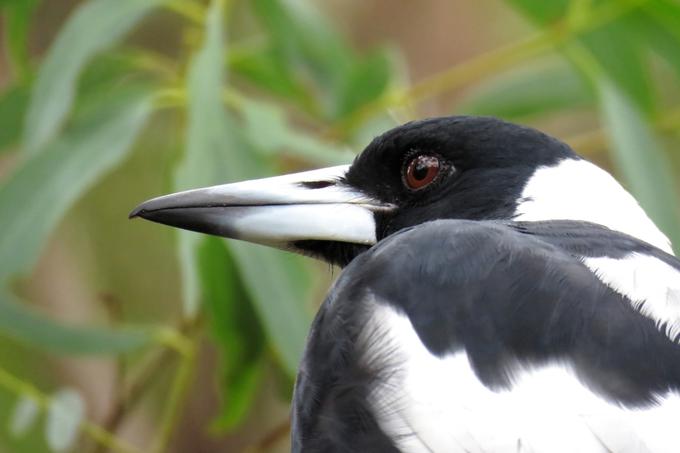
575,189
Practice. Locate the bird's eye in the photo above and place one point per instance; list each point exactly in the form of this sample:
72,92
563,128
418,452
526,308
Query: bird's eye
421,171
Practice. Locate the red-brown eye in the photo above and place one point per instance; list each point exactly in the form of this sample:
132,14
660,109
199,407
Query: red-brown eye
421,171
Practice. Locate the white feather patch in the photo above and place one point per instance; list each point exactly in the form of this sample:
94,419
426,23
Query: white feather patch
579,190
437,404
652,286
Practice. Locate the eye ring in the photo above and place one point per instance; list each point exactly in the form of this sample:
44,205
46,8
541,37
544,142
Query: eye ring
421,171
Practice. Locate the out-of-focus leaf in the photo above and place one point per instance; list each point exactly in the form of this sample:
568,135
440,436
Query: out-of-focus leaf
621,57
27,326
38,194
541,11
640,159
24,416
17,18
365,82
306,38
264,69
217,152
93,27
658,25
535,90
309,48
281,137
13,104
64,415
317,57
616,49
235,327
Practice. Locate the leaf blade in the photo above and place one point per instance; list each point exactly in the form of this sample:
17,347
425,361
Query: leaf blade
38,194
94,26
640,159
217,152
535,90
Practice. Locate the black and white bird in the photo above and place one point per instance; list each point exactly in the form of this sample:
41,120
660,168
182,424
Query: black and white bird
500,294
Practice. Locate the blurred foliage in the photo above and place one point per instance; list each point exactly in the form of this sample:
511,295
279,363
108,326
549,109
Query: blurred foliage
257,88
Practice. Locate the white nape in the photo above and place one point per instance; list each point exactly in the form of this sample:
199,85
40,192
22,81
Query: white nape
437,404
578,190
652,286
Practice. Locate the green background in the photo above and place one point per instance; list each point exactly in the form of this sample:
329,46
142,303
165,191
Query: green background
128,336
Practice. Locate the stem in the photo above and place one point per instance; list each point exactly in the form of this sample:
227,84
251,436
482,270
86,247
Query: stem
133,394
487,63
178,393
594,140
94,431
189,10
270,440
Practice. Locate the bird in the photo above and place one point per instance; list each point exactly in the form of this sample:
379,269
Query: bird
498,293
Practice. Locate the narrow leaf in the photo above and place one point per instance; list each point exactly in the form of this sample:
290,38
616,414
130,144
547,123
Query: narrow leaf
23,324
235,327
640,159
13,104
617,51
307,45
64,415
17,19
621,58
542,11
38,194
365,82
534,90
93,27
217,152
24,416
658,25
263,68
282,138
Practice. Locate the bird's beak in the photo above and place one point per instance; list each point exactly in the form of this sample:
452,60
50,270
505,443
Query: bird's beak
313,205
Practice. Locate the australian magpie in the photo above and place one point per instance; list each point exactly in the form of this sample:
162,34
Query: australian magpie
499,294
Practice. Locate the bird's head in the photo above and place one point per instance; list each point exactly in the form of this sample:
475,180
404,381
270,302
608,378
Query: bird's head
454,167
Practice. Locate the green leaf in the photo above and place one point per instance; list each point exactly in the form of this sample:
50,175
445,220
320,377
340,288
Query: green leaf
64,415
308,46
306,38
640,159
542,11
365,82
658,25
621,58
533,90
13,104
38,194
17,18
236,329
23,324
94,26
24,416
218,152
617,51
282,138
264,69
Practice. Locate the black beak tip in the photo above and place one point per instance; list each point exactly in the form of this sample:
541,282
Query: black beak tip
139,211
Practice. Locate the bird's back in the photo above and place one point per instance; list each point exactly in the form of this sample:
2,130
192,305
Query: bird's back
492,337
